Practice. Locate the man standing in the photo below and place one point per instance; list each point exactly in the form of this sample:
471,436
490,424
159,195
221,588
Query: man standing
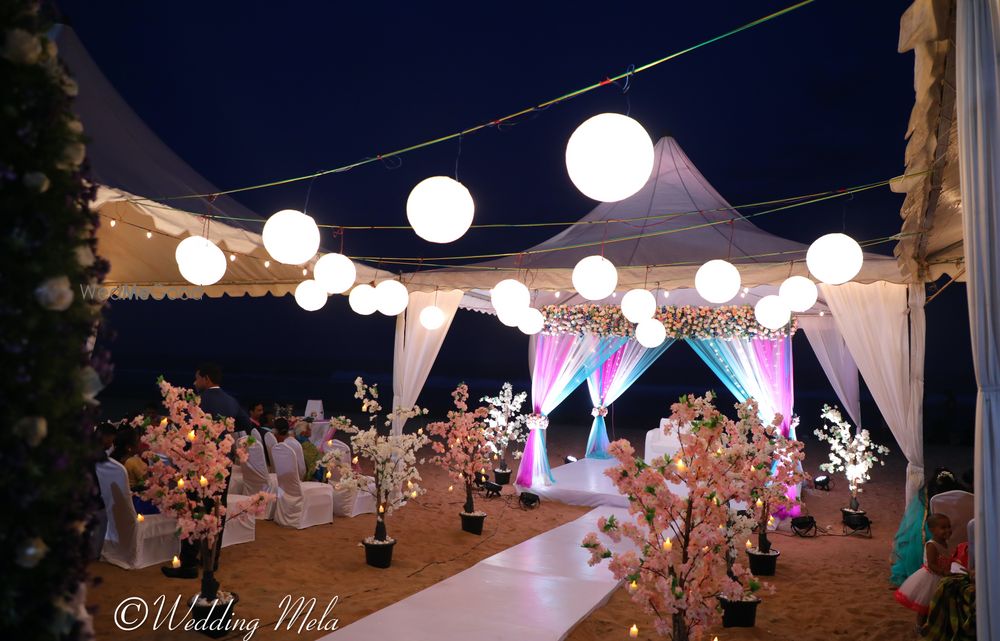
215,401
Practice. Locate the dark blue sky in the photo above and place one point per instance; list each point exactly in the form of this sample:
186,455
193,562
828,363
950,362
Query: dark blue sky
253,91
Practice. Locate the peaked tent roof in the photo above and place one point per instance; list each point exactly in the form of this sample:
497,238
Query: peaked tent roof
657,238
134,168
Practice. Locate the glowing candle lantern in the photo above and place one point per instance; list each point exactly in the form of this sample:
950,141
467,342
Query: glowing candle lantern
413,494
140,518
749,544
668,545
381,509
633,586
330,443
409,485
354,460
329,474
681,466
175,563
633,632
451,487
163,422
759,503
180,483
192,436
203,481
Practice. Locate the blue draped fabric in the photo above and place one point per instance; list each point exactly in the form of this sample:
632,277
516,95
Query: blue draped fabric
908,544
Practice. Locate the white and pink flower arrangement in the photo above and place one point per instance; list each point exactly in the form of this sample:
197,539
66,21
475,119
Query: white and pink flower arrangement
733,321
462,446
505,425
853,454
681,562
599,411
191,456
393,457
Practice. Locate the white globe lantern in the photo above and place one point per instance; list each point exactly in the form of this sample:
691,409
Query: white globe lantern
717,281
531,321
310,295
595,277
650,333
335,272
799,293
362,299
834,259
609,157
772,312
509,297
432,317
440,209
291,237
512,317
638,305
391,297
200,261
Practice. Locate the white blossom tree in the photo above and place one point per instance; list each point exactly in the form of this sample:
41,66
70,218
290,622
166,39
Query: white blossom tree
505,425
852,454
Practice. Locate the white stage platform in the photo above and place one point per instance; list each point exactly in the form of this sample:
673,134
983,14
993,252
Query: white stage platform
584,483
537,590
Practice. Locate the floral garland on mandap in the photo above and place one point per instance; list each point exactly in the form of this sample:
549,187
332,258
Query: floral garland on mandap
735,321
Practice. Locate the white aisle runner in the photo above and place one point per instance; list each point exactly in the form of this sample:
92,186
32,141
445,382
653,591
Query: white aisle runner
537,590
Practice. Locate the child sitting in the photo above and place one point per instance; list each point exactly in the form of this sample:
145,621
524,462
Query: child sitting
917,590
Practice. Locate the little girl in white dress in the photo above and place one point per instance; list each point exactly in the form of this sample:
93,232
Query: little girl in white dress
917,590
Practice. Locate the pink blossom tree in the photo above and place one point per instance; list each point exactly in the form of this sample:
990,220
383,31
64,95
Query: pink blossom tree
190,481
680,563
464,448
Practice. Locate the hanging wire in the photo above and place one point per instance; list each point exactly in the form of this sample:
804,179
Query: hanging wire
458,157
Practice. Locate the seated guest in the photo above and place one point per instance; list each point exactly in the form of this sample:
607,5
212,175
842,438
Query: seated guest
256,413
126,452
281,429
303,430
215,401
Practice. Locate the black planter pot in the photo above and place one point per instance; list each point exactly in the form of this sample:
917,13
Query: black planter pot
212,620
854,519
472,523
502,477
739,614
379,555
763,564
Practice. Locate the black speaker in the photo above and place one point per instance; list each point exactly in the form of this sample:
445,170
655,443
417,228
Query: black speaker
492,489
804,525
529,500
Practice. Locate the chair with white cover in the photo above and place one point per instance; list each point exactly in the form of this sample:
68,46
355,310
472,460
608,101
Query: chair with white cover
241,525
301,504
269,443
300,457
130,543
349,502
255,433
256,478
660,444
959,507
972,544
314,409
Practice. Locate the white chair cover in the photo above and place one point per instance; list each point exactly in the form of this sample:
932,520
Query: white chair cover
300,504
236,480
319,432
349,502
254,432
972,544
300,457
660,444
958,506
314,406
128,543
257,479
240,525
269,443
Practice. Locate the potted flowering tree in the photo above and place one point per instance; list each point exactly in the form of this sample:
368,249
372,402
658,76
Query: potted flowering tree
393,458
852,454
504,428
190,483
679,568
463,451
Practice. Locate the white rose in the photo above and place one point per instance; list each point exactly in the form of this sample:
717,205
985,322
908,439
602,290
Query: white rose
21,47
55,294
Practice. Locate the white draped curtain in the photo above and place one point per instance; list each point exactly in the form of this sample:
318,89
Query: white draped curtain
836,360
884,328
978,78
417,347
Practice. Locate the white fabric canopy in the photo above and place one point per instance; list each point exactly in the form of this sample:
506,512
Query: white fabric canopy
417,347
883,326
836,360
978,78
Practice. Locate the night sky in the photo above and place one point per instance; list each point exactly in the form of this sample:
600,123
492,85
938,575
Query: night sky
251,92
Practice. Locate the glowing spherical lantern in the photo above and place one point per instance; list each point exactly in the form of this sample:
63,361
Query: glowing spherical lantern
531,321
432,317
799,293
638,305
772,312
335,272
609,157
512,317
650,333
291,237
510,297
834,258
200,261
362,299
391,297
595,277
717,281
440,209
310,295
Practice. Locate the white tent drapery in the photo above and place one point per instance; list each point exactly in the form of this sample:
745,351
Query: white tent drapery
883,326
978,80
831,351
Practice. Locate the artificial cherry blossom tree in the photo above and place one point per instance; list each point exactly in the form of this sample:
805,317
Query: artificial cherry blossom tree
505,424
464,448
190,481
852,454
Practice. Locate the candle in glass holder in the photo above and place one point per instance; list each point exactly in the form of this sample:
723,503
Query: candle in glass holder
760,503
749,544
633,586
